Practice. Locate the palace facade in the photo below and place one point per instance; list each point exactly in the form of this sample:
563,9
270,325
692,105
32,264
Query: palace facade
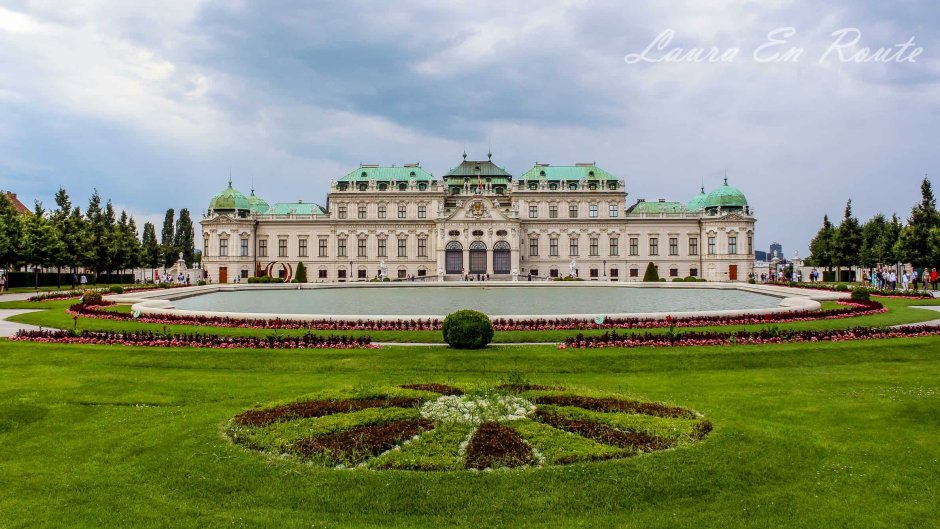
477,219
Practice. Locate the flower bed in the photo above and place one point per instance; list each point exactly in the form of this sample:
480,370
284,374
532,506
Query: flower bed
852,309
152,339
429,427
763,336
77,293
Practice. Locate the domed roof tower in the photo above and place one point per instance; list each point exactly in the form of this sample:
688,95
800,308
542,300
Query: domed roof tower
725,197
697,203
230,200
257,204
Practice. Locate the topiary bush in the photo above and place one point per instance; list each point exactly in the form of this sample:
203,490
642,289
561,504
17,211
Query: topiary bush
91,297
651,273
301,276
861,294
116,289
467,329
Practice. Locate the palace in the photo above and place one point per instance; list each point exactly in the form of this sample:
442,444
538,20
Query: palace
552,221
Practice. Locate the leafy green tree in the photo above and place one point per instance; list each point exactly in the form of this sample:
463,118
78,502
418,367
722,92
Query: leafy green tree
60,223
651,274
99,235
40,243
151,255
872,234
124,244
76,239
170,253
821,247
888,245
11,233
301,275
847,240
914,242
185,238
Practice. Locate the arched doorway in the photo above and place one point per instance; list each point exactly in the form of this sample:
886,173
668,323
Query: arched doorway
453,257
501,258
477,257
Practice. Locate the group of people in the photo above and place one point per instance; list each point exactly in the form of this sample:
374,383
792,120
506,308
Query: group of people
887,279
167,278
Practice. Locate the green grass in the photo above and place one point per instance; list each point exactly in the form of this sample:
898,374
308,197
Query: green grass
806,436
54,315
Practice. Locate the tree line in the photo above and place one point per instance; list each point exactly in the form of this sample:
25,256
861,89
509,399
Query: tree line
880,241
98,239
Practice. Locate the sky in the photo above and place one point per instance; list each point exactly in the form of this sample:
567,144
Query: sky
156,104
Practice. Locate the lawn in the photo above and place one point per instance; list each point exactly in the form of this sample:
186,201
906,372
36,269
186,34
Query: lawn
823,435
54,315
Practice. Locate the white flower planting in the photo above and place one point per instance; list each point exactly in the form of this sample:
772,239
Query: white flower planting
478,408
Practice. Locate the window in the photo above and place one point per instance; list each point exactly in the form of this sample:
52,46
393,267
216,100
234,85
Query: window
654,245
382,247
693,245
422,247
383,186
611,184
533,247
244,274
361,248
223,247
362,212
382,210
614,272
673,246
454,233
302,248
361,274
341,273
573,211
553,247
711,245
592,211
263,248
553,211
401,211
553,186
244,249
477,233
553,272
342,212
673,272
750,244
402,247
282,247
693,272
421,271
634,272
612,211
534,272
501,233
593,246
573,247
634,246
593,273
533,211
321,250
614,246
422,211
341,248
732,245
422,187
321,274
205,246
573,186
403,186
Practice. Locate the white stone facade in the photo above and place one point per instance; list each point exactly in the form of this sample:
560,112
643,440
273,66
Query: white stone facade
426,229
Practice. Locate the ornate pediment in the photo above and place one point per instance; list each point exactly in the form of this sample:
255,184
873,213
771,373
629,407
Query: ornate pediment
479,208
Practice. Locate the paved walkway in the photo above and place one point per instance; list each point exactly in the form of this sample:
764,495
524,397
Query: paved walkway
9,328
931,323
20,296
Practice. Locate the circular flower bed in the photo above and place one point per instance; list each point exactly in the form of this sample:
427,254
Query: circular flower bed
438,427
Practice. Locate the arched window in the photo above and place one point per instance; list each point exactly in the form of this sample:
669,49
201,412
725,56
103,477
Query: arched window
478,245
477,233
422,186
454,245
363,186
499,245
502,257
383,186
403,186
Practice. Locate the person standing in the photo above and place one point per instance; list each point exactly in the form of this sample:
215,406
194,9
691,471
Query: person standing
934,276
3,283
83,281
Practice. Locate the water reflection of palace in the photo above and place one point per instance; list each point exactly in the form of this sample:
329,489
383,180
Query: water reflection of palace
478,220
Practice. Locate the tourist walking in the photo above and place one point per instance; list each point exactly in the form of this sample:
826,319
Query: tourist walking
83,281
934,276
3,282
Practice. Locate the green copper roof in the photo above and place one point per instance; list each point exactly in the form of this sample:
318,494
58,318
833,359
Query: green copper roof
567,172
697,203
725,196
474,168
405,173
657,207
229,199
257,204
296,208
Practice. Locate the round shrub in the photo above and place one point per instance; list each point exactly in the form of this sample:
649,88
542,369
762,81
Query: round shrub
842,288
91,297
116,289
861,294
467,329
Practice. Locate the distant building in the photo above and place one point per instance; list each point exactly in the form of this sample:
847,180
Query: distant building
16,202
760,255
776,250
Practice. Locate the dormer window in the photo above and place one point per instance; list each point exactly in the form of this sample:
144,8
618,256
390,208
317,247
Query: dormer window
591,174
541,173
533,185
363,186
412,174
592,186
363,175
383,186
422,186
402,186
553,186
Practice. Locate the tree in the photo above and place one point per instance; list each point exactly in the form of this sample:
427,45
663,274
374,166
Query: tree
301,276
40,243
821,247
134,259
870,254
170,253
11,233
151,255
185,239
651,273
888,245
60,223
76,239
914,242
848,240
99,234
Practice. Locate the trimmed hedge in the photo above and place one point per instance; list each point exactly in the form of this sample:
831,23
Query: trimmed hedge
651,273
861,294
467,329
